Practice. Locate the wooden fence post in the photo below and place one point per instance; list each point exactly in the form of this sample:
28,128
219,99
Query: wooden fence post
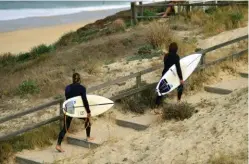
203,60
61,115
141,8
138,82
134,12
187,8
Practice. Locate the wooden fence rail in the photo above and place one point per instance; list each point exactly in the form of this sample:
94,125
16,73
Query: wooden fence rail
192,4
28,128
35,109
138,88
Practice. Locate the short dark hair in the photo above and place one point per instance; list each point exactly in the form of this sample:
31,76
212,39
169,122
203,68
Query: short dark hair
76,78
173,47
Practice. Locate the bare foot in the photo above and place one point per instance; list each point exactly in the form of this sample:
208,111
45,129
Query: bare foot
59,149
157,112
165,16
90,138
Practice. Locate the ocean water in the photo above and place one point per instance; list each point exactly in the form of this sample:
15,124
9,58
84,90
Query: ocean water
12,10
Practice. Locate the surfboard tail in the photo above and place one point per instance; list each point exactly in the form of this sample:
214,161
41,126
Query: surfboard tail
163,87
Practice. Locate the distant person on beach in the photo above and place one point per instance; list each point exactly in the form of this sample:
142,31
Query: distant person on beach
73,90
170,59
170,9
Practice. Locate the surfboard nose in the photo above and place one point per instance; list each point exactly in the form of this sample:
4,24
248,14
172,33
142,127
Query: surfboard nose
164,86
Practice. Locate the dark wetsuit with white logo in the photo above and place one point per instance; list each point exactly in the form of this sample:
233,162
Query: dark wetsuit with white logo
170,59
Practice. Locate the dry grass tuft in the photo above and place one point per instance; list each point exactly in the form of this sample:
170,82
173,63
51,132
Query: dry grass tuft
140,102
40,137
229,158
118,25
177,111
159,35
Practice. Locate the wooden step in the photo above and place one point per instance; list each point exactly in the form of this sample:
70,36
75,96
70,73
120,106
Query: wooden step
49,154
217,90
227,87
244,75
141,122
102,131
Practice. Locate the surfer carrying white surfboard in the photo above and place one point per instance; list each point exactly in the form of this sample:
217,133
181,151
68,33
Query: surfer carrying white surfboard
73,90
170,59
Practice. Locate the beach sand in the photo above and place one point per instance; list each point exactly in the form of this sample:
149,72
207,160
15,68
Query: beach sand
22,34
23,40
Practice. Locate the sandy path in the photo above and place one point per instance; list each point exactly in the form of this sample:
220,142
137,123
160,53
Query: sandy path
222,37
220,126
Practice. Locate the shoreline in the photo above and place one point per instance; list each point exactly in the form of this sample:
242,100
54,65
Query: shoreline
17,36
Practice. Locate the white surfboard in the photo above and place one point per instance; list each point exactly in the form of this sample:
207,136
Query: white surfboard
170,79
74,107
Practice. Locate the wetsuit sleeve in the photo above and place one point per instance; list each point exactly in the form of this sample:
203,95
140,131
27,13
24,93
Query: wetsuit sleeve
84,99
66,92
178,68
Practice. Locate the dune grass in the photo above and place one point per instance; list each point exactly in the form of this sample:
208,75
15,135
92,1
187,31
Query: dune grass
213,20
91,32
10,60
139,102
178,111
52,72
160,35
37,138
224,157
144,52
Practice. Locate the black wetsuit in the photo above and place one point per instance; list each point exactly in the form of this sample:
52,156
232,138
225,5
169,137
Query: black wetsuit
73,90
170,59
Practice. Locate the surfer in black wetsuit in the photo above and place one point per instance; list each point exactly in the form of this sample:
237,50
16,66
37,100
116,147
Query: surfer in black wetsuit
73,90
170,59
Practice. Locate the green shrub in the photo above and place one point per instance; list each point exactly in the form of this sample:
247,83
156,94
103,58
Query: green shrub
236,17
23,57
66,39
28,87
40,49
149,13
86,35
161,9
211,10
143,56
7,59
145,49
139,102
